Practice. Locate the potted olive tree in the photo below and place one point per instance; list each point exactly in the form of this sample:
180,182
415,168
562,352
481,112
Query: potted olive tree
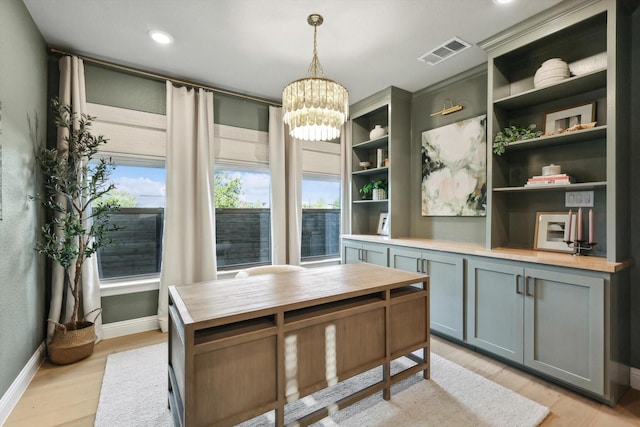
77,226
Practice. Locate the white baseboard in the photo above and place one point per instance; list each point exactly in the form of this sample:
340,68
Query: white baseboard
20,384
635,378
127,327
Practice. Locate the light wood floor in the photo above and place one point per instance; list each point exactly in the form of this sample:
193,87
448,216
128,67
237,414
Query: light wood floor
68,395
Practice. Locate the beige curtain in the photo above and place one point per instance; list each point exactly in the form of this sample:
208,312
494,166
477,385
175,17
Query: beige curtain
293,153
345,179
277,171
72,92
189,242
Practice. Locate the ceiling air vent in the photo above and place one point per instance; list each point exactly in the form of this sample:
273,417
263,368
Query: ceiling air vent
444,51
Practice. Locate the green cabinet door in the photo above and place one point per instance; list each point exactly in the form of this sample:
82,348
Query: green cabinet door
495,308
354,251
446,286
564,327
351,252
376,254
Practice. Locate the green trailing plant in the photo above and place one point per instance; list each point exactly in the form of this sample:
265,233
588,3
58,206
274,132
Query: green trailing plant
367,190
512,134
76,227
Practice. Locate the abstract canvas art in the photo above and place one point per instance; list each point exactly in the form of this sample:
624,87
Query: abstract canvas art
454,169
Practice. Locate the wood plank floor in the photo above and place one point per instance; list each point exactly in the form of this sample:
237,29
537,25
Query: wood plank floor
68,395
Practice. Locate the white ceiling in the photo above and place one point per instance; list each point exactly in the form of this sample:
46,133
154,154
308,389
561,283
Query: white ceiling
256,47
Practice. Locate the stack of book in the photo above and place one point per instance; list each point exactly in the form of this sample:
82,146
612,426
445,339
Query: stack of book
557,179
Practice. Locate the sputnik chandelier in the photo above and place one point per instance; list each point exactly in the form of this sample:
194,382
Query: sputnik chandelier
315,107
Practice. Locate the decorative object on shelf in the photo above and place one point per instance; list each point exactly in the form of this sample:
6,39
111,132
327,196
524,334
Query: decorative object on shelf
573,128
570,119
374,190
78,225
379,194
552,230
380,155
556,179
551,170
454,175
377,132
447,110
575,241
365,165
551,71
383,224
511,134
315,107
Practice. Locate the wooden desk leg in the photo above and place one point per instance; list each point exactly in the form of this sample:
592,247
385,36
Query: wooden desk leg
280,417
386,377
426,355
280,369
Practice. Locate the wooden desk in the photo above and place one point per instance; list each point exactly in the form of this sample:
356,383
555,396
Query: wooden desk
241,347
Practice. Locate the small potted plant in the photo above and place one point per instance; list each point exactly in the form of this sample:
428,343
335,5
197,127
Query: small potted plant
374,190
77,224
511,134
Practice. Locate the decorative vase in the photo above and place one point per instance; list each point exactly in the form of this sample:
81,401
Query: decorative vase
379,194
377,132
551,71
70,346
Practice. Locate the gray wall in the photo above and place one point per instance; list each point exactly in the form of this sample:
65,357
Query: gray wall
635,185
23,93
122,89
468,89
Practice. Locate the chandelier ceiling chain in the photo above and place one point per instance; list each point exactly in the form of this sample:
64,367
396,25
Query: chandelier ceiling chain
315,107
315,69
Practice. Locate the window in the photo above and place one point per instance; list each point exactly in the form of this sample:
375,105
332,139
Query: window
243,216
320,217
137,247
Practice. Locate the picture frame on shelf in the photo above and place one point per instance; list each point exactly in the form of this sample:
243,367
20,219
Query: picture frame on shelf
383,224
561,120
550,231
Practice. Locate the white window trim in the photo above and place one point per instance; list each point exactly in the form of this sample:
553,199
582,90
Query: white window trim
129,285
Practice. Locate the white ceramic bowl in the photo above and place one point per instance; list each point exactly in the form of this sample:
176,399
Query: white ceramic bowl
365,165
548,81
541,74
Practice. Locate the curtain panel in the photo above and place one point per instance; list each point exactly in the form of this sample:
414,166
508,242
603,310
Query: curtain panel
189,242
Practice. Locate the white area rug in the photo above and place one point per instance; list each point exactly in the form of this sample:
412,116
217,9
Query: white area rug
134,393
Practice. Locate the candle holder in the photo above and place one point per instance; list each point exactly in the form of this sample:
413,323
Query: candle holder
580,247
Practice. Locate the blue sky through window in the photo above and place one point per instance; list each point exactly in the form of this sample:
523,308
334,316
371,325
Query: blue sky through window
147,185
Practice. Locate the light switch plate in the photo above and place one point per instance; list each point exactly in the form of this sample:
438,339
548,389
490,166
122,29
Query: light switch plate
578,199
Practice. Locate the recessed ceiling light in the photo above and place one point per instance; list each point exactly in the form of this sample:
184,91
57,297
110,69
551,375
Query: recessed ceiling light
160,37
502,1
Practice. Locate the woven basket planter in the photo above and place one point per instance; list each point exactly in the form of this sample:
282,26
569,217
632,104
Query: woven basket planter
379,194
69,346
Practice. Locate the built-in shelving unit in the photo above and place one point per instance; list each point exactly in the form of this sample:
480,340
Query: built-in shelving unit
391,109
588,37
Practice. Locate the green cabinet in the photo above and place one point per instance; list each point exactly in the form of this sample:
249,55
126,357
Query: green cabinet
446,285
548,320
354,252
